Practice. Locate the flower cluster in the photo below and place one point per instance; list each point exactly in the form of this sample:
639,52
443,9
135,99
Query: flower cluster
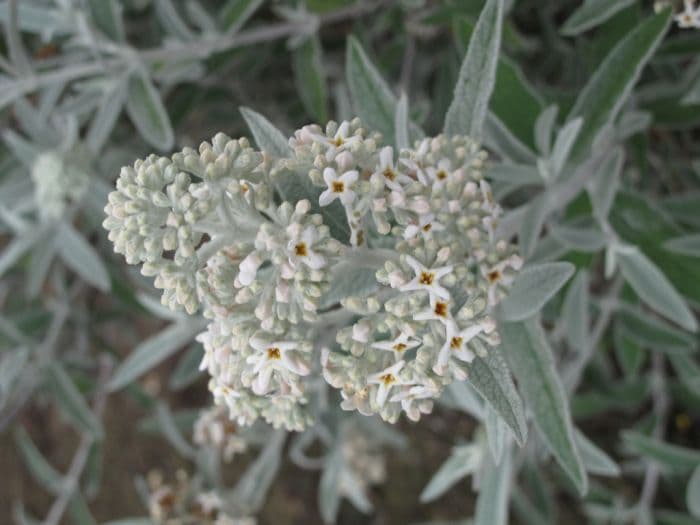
374,269
185,503
60,178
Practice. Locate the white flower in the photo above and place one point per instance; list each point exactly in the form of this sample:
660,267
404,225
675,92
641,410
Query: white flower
427,279
408,397
386,379
689,17
456,344
387,172
300,247
248,269
342,139
438,311
496,277
271,357
426,225
438,175
398,346
338,187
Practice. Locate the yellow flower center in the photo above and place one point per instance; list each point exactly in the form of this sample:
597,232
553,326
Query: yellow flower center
300,250
441,175
441,309
400,347
274,353
426,278
456,343
494,276
388,379
389,174
338,142
338,187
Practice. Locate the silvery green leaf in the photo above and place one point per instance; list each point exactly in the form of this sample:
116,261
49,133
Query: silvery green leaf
37,19
531,359
544,127
108,18
79,511
349,279
607,90
25,151
329,486
521,174
171,20
354,490
575,314
591,14
236,13
169,429
532,288
654,288
11,365
688,372
491,377
43,253
401,123
460,395
40,469
492,503
145,109
310,78
16,249
685,245
675,457
372,98
106,117
71,401
603,187
187,370
532,224
252,487
692,493
21,516
563,144
266,135
500,139
594,459
200,17
495,433
652,333
463,461
153,351
81,257
477,75
584,239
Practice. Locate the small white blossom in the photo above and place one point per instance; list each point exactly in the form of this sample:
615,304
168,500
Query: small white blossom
427,279
274,357
689,17
456,345
386,380
338,187
398,346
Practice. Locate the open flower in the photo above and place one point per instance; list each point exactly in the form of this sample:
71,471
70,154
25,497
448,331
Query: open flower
338,187
415,400
438,310
300,247
387,172
427,279
386,379
456,345
398,346
689,17
274,357
426,226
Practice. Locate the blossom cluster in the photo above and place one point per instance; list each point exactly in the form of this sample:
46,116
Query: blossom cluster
346,261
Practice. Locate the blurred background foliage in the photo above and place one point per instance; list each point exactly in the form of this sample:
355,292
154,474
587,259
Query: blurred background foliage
89,85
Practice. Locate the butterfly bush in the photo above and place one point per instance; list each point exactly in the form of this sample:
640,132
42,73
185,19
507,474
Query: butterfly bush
343,261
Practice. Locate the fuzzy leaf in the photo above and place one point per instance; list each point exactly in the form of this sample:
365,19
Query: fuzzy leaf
82,258
692,493
477,76
594,459
654,288
267,136
463,461
531,359
685,245
72,402
591,14
311,79
575,312
675,457
533,287
492,504
145,109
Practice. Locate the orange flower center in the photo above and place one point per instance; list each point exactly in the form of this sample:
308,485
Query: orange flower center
389,174
441,175
400,347
274,353
338,187
300,249
387,379
441,309
426,278
456,343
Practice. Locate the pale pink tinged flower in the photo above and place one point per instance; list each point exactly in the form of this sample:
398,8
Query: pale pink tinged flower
408,397
248,269
386,380
427,279
440,174
338,187
399,346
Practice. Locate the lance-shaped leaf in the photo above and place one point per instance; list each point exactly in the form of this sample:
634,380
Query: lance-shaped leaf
329,486
591,14
575,312
654,288
252,487
153,351
81,257
594,459
477,75
492,504
686,245
533,287
266,135
310,78
40,469
531,359
675,457
463,461
491,378
71,401
692,493
145,109
607,90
